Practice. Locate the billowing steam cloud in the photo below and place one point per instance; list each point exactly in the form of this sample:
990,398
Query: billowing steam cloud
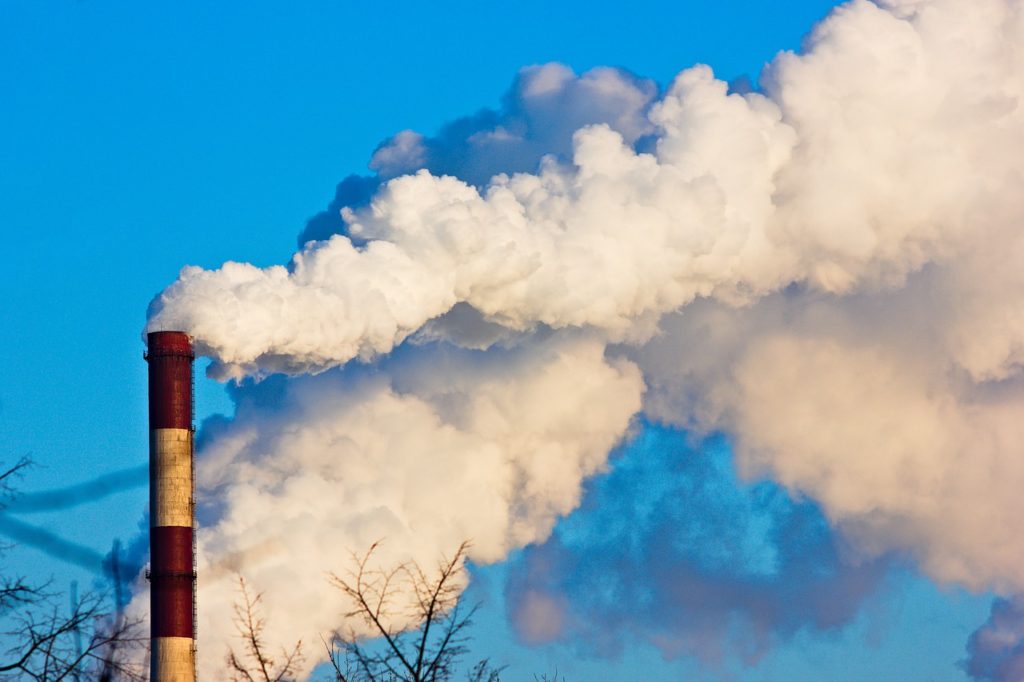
545,106
828,269
423,452
819,182
858,403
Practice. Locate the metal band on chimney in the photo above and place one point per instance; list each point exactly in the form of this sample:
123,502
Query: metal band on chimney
171,516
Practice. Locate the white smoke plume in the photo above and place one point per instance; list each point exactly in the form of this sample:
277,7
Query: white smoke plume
421,454
828,269
539,114
867,158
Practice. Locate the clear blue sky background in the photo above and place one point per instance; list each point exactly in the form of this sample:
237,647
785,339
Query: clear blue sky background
138,137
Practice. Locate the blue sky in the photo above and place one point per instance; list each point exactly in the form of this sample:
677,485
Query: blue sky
137,138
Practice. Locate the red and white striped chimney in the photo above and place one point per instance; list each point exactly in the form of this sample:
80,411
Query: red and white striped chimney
171,518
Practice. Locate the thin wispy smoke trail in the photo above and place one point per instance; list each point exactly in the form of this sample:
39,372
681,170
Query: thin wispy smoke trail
52,544
80,493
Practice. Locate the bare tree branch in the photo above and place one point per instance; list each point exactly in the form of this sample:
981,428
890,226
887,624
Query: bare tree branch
427,652
45,641
255,664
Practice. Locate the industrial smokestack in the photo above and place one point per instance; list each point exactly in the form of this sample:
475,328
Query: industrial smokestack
171,519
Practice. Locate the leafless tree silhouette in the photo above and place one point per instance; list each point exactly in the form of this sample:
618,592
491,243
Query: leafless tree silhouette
430,652
48,644
255,664
41,640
